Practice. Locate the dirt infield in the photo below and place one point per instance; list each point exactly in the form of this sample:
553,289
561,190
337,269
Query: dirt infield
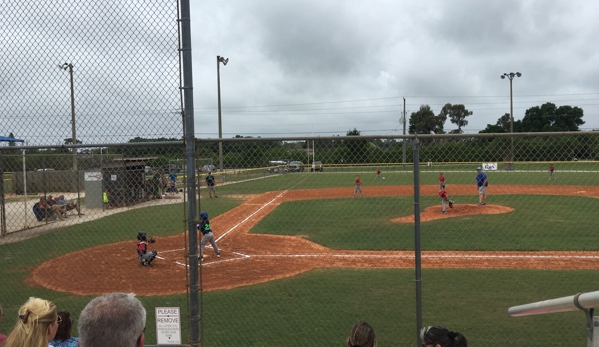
250,258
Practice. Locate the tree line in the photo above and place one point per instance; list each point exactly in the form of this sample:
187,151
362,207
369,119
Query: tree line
545,118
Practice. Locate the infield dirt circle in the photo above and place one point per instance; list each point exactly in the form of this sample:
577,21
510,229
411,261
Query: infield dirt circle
253,258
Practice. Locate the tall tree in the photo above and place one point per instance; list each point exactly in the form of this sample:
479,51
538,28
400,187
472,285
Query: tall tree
424,121
357,150
505,122
354,132
549,117
503,125
457,115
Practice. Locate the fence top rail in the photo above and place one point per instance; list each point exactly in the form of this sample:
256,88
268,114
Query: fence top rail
97,145
581,301
407,136
412,137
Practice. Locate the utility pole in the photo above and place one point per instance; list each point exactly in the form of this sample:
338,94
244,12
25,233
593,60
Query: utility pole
219,60
69,66
404,132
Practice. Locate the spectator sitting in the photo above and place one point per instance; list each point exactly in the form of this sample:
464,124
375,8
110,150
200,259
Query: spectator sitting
437,336
2,337
36,326
42,210
63,336
39,210
361,335
53,204
114,319
65,206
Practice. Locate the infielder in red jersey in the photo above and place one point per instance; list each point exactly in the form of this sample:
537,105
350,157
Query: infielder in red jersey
358,186
551,171
444,198
441,180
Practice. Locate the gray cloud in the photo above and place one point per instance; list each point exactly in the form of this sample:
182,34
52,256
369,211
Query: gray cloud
296,67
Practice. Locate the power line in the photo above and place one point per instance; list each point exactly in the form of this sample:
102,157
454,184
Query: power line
400,97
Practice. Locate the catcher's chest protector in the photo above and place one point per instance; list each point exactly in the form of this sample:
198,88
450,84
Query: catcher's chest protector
141,248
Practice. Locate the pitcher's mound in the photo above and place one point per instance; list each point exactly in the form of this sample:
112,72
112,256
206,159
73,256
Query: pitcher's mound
434,212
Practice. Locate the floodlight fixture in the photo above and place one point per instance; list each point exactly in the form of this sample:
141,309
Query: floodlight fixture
511,76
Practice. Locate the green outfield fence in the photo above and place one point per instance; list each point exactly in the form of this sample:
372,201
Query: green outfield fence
304,255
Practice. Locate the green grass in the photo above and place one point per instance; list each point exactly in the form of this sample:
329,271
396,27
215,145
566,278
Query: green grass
319,307
18,259
475,302
538,223
330,179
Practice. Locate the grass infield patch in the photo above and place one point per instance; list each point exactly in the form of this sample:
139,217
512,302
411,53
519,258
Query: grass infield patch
538,223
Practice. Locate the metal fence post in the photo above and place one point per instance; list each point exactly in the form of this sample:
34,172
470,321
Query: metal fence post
194,301
417,256
3,214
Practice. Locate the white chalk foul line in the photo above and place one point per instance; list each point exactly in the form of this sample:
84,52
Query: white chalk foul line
411,256
251,215
243,256
404,256
173,250
234,227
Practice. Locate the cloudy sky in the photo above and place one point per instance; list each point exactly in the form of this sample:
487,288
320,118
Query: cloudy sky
296,68
324,67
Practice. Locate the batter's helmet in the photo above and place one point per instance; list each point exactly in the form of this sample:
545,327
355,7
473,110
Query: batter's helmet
204,215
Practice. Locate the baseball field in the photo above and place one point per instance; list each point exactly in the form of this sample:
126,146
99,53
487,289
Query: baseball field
303,260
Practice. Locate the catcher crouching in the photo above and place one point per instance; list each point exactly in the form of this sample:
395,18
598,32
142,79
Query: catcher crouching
145,258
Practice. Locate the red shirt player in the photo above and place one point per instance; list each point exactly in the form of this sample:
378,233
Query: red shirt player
358,186
441,180
444,197
551,171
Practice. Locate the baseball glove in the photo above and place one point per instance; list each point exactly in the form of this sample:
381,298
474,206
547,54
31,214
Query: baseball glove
151,240
450,204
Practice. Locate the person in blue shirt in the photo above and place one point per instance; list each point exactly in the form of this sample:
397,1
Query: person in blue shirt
63,336
173,180
482,184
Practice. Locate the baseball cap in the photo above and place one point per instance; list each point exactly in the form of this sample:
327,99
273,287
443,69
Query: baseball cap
479,168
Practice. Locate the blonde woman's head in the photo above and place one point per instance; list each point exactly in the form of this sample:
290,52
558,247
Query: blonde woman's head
36,326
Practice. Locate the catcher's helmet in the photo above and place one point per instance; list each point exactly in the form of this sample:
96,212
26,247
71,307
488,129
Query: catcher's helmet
204,215
142,236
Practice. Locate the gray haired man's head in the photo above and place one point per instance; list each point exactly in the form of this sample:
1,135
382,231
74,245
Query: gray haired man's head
114,319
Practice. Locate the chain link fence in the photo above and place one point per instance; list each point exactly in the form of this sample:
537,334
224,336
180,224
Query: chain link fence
303,253
313,234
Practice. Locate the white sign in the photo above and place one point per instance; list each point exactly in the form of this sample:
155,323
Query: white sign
93,176
490,166
168,326
113,177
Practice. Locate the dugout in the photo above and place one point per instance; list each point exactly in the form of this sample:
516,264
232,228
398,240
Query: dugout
125,183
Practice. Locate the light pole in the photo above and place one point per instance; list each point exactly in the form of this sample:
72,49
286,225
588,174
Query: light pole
403,120
219,60
69,66
511,76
